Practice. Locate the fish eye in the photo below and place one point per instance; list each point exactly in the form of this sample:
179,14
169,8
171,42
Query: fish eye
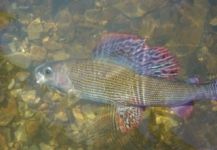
48,71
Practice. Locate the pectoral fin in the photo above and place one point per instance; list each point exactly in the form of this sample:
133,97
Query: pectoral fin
183,111
128,118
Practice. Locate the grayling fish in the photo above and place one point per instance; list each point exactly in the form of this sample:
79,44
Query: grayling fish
129,84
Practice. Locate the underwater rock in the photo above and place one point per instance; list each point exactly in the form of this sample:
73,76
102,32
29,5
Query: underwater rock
33,147
59,55
11,36
5,19
78,114
49,26
62,116
130,8
78,50
100,16
19,59
38,53
22,76
91,115
54,96
207,59
8,112
32,128
89,111
214,105
2,95
178,25
149,26
20,133
65,26
43,107
168,122
35,29
63,19
213,22
45,146
194,22
52,44
75,129
28,96
3,142
11,84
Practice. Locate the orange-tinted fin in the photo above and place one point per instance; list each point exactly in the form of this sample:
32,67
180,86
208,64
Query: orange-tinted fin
128,118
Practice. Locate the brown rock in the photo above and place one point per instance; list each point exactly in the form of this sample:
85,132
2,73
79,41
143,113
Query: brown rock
32,127
22,60
38,53
8,112
3,142
35,29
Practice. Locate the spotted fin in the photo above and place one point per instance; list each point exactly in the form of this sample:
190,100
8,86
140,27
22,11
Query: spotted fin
119,44
132,51
128,118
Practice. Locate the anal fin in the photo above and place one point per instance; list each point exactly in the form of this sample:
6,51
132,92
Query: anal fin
183,111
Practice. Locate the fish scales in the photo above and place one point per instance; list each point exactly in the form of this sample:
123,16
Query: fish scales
125,70
109,82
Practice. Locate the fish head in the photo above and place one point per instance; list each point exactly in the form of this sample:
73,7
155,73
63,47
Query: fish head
54,75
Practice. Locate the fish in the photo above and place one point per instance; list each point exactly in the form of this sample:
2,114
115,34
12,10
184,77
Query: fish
125,72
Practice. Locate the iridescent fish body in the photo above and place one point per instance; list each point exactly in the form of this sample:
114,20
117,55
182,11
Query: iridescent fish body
116,76
106,82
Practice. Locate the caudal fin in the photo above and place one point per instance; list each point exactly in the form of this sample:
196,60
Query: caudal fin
206,91
210,90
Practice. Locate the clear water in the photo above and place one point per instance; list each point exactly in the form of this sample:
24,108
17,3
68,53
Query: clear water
32,32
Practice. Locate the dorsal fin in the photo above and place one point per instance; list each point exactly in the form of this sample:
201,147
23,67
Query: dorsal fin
132,51
118,45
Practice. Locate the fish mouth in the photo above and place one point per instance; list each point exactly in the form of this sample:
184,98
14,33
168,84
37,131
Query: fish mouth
39,77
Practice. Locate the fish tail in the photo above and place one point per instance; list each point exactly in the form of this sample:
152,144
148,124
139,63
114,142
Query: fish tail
209,91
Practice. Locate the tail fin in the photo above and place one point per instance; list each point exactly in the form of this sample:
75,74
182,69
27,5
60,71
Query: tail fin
209,91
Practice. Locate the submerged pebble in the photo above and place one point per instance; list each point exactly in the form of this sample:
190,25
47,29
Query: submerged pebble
78,114
22,76
19,59
20,134
64,19
52,44
62,116
130,8
29,96
8,112
2,95
31,128
11,84
45,146
60,55
35,29
3,142
34,147
38,53
213,22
